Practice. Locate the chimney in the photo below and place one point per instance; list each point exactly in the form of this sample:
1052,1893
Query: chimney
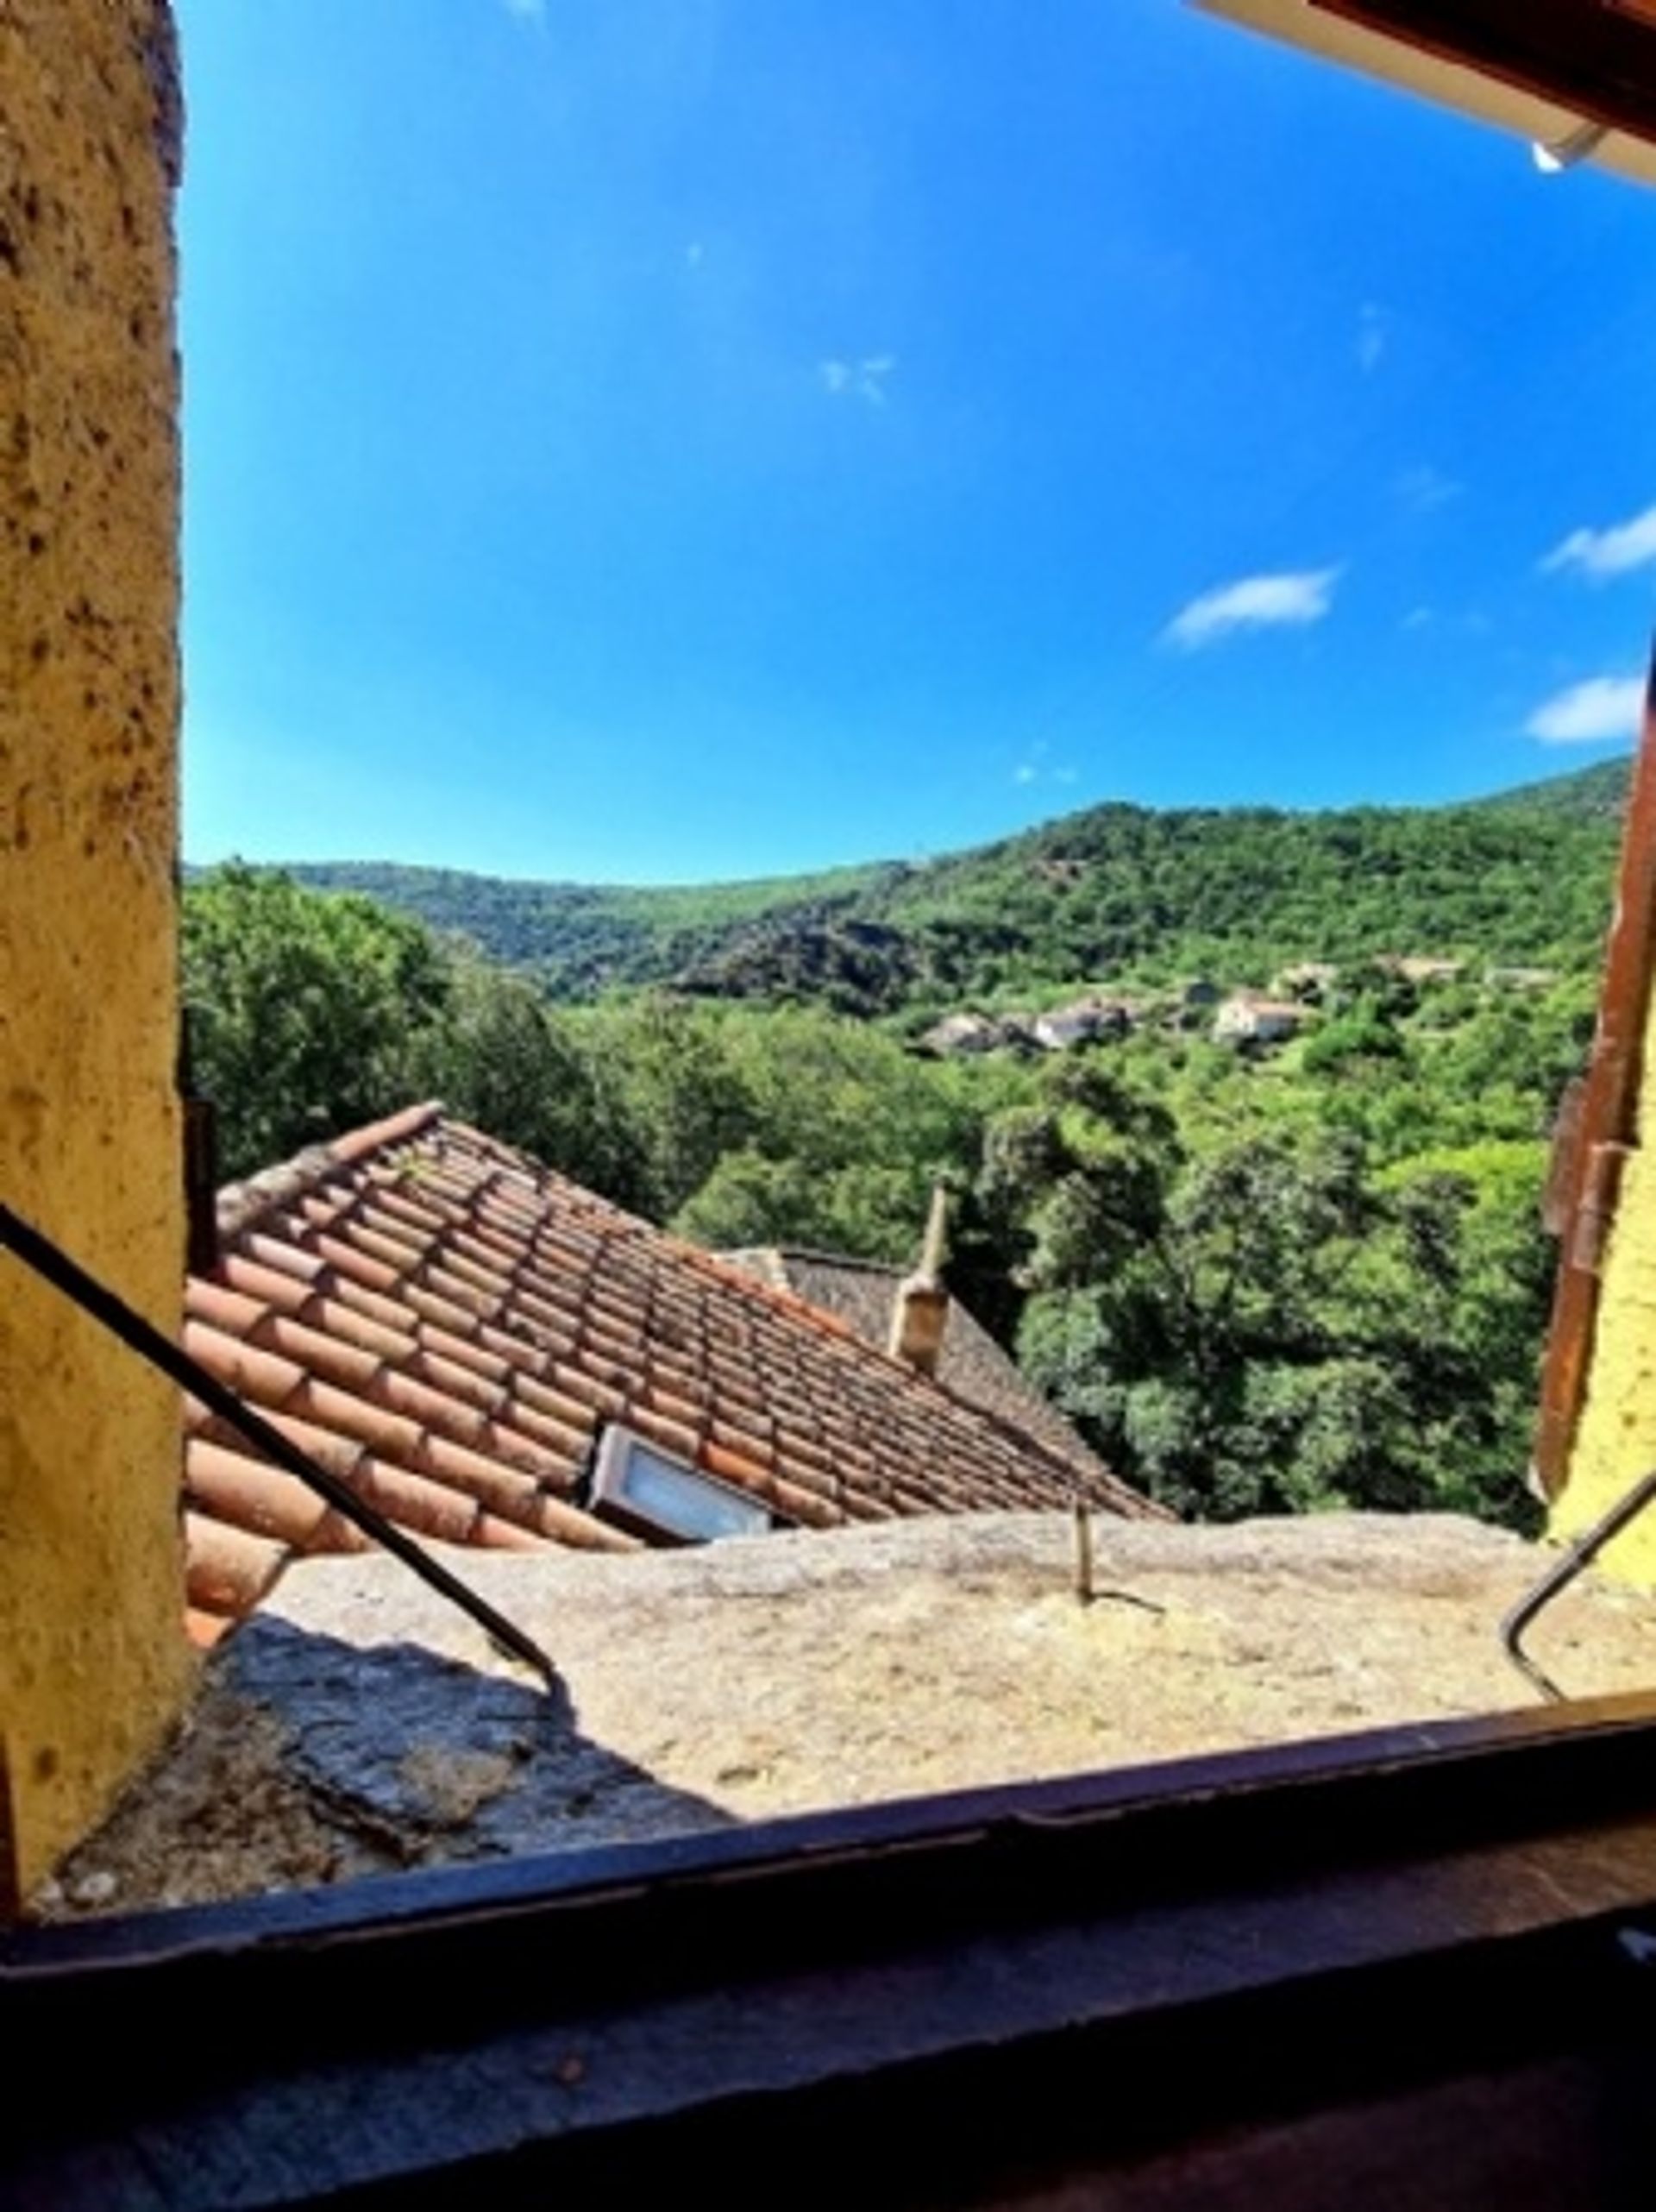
920,1309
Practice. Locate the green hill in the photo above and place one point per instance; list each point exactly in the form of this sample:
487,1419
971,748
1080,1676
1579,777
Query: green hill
1305,1274
1598,792
1117,893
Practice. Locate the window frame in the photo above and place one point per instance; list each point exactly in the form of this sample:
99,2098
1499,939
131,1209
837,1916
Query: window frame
906,1958
621,1452
1071,1973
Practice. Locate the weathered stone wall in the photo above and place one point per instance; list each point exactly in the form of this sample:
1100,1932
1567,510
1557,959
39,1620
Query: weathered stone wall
92,1657
358,1724
1615,1442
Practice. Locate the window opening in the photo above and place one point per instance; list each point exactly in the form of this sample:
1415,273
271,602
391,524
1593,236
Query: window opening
641,1487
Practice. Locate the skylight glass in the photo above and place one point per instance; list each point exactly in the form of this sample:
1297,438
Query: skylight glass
660,1495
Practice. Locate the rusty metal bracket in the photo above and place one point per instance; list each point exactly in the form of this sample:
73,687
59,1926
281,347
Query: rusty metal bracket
55,1266
1575,1561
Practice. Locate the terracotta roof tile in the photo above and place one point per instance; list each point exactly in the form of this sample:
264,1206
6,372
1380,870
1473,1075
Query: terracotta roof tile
736,1467
503,1535
860,1505
228,1568
355,1263
600,1399
569,1525
340,1456
972,1364
446,1327
233,1488
429,1509
670,1436
810,1510
751,1439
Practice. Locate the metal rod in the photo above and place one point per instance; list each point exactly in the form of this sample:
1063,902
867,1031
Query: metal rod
1083,1521
1580,1555
49,1261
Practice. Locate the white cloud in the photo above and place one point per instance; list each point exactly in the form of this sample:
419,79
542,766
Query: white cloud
1607,552
1037,766
526,11
1424,489
1603,707
1373,328
863,379
1253,603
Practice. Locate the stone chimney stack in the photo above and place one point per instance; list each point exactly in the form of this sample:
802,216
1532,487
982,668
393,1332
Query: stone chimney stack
920,1311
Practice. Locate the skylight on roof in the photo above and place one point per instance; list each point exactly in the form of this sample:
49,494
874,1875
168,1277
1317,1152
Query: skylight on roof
656,1495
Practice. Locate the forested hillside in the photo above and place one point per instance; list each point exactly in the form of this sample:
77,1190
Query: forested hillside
1260,1276
1117,891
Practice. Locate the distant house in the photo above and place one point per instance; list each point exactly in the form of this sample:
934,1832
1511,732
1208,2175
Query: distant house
960,1033
1521,978
493,1356
1081,1022
1060,1029
1247,1019
1420,967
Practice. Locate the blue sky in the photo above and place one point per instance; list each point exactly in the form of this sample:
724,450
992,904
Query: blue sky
695,438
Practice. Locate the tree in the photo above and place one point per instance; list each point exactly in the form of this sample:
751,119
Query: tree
1255,1322
788,1126
503,1058
305,1010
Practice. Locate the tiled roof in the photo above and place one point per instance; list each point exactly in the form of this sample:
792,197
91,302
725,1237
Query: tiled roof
971,1364
447,1326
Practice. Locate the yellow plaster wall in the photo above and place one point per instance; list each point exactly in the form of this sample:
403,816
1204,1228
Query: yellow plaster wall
1615,1442
92,1660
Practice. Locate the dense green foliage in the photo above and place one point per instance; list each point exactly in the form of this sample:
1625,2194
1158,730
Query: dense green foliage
1118,891
302,1012
310,1013
1251,1306
1257,1280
